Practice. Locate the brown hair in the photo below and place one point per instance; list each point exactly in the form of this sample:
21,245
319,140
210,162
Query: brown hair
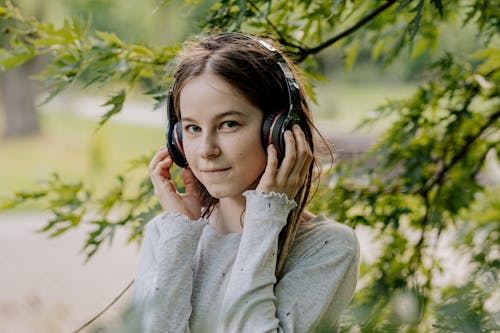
252,69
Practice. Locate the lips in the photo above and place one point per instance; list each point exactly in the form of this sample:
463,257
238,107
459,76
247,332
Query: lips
215,170
215,173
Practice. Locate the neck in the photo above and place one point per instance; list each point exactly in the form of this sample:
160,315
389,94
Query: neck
228,215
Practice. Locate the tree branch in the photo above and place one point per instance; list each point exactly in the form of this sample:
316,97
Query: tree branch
302,54
438,177
281,39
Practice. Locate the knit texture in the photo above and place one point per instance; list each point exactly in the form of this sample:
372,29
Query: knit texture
192,279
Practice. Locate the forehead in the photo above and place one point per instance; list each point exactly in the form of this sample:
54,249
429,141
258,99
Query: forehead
209,95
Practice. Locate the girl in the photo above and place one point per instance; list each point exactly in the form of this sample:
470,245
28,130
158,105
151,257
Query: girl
238,251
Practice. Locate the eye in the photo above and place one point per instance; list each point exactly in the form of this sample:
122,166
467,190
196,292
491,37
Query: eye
229,125
192,128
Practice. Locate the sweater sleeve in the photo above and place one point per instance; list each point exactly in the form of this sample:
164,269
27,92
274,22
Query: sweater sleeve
313,292
164,279
249,303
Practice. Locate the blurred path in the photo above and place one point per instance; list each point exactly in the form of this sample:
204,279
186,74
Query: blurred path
45,285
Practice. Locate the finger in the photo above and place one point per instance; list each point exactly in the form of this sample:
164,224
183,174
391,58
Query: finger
167,195
304,153
168,185
161,154
290,157
268,178
161,172
310,158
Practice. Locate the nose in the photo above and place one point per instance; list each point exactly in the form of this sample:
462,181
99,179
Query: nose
209,146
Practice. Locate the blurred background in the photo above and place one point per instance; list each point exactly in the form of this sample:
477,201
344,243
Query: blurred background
46,284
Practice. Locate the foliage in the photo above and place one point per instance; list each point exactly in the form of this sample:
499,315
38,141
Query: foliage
421,180
425,177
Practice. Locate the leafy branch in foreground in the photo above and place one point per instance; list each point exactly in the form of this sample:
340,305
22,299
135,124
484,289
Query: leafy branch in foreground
308,27
130,203
425,176
78,56
422,180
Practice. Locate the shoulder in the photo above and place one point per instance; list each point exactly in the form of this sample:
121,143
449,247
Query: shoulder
324,238
152,227
321,229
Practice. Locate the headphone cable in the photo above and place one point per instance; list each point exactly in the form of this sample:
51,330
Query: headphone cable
106,308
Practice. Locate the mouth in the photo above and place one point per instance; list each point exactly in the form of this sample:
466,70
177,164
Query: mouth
215,172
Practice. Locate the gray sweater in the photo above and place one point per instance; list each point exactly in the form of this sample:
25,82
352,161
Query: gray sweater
192,279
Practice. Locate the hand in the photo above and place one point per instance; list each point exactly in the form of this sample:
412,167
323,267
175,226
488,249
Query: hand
171,200
290,176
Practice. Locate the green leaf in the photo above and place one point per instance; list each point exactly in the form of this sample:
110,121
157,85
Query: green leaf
439,6
15,57
3,12
242,4
377,49
352,54
417,19
420,48
116,101
111,39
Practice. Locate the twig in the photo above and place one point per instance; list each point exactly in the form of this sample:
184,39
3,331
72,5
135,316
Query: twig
105,309
303,54
439,175
281,38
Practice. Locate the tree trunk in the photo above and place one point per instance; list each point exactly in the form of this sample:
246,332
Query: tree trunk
18,96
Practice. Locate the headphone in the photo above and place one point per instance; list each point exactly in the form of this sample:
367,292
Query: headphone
273,126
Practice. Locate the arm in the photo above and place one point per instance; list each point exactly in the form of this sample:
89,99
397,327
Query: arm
249,303
162,294
316,287
315,290
164,279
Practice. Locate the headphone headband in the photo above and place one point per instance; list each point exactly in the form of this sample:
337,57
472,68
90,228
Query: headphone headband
291,83
274,125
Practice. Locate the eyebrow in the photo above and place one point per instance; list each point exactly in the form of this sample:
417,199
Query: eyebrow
219,116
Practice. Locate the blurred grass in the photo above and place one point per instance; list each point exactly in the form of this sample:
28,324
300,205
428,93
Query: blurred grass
70,146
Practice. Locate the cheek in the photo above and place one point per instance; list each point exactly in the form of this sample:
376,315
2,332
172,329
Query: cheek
253,157
189,147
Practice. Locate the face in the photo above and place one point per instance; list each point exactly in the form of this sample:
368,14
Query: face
221,136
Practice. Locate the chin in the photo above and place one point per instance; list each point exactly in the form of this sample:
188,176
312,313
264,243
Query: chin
220,193
224,190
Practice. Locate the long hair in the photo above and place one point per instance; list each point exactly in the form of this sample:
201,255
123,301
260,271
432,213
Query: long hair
252,69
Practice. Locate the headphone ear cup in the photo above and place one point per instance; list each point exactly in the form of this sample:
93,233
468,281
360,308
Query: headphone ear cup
265,134
174,135
273,132
174,145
